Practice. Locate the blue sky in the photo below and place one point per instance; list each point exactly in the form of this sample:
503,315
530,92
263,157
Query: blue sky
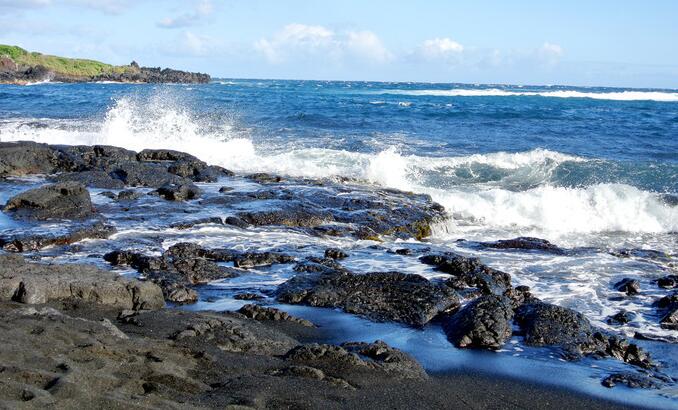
612,43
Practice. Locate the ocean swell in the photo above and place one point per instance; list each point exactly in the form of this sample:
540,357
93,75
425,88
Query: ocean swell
504,190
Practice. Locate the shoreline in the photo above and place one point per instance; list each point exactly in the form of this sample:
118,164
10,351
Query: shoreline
178,192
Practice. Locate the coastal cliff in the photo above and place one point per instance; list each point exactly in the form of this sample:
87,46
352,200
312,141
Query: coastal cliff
19,66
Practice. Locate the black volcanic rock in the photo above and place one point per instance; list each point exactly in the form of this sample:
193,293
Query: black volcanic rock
380,296
483,323
469,272
66,200
524,243
628,286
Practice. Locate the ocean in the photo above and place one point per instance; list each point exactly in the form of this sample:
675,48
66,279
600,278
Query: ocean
592,170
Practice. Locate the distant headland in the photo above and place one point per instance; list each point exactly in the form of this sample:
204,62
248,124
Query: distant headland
19,66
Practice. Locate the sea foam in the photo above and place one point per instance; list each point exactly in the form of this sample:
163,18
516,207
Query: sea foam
494,92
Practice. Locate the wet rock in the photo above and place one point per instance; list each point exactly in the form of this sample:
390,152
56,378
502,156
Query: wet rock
469,272
524,243
380,296
179,294
235,221
215,220
225,189
290,216
670,320
335,253
668,302
632,380
179,192
93,179
199,270
621,318
28,243
143,174
629,286
257,312
128,195
264,178
164,155
34,283
668,282
67,200
248,296
319,265
483,323
550,325
26,158
254,259
520,295
544,324
404,251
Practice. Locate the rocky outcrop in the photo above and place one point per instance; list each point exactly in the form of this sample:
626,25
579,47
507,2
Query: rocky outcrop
59,201
380,296
33,242
34,283
483,323
524,243
544,324
469,272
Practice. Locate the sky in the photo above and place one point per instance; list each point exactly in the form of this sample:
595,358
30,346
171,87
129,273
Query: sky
590,43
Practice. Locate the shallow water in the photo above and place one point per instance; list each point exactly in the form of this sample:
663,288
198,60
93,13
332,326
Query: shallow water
593,170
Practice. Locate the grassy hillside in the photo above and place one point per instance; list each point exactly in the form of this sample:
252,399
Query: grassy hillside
61,65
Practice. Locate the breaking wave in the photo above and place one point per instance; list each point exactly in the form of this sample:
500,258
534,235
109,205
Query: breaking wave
495,92
495,190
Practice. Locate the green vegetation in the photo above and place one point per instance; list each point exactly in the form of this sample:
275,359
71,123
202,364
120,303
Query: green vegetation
72,67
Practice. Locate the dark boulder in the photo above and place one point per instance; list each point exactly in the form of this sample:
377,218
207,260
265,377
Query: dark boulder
483,323
380,296
67,200
212,220
668,302
544,324
248,296
469,272
335,253
143,174
253,259
264,313
95,179
621,318
292,216
179,192
668,282
629,286
26,158
670,320
524,243
237,222
155,155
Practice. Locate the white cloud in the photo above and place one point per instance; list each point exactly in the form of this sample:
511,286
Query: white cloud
300,41
440,48
366,44
195,44
202,9
550,53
